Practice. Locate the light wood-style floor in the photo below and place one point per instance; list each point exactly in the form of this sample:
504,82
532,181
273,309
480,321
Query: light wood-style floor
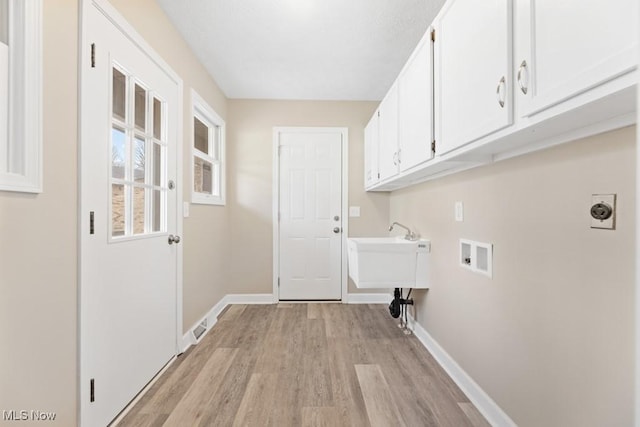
305,365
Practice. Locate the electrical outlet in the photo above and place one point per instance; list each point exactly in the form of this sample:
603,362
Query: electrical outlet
603,211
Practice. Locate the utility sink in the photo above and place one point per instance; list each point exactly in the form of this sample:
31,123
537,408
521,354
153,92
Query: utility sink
388,262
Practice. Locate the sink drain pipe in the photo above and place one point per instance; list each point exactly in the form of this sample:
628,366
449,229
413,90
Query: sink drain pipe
399,304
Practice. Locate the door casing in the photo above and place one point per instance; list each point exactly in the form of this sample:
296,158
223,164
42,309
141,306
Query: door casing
119,22
344,132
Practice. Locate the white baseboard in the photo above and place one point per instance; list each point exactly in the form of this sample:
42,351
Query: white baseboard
369,298
487,407
211,317
250,299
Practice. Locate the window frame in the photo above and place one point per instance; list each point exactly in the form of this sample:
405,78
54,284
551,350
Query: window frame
205,114
21,170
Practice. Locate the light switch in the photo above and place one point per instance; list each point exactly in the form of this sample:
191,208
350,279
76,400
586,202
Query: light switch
185,209
459,212
354,211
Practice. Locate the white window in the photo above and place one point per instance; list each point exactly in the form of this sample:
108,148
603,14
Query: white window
138,158
21,95
208,151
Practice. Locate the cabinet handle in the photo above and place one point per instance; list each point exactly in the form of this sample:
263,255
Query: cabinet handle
523,86
395,158
502,83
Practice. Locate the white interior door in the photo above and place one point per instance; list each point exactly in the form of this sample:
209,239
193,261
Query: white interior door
310,211
129,130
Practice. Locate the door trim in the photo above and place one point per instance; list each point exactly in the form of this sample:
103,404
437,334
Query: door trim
344,132
84,48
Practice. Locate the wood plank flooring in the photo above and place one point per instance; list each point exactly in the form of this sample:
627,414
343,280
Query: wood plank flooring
305,365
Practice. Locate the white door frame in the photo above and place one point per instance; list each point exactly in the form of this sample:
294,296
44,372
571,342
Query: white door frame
344,132
129,31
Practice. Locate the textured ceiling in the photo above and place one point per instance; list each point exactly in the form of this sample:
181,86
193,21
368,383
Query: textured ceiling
303,49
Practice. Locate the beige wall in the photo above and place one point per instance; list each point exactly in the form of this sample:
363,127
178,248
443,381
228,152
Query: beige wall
550,338
38,247
250,139
206,232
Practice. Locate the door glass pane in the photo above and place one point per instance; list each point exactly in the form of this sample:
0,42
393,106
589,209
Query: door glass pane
157,164
140,108
139,158
201,136
157,119
117,210
157,210
201,176
4,21
119,94
138,209
118,153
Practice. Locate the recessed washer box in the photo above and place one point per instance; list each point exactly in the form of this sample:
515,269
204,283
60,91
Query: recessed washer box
476,256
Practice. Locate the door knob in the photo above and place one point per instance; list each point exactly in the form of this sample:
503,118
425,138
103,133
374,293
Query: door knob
173,239
336,230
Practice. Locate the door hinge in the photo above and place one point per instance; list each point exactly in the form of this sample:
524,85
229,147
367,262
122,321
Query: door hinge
433,146
92,390
433,35
93,55
91,222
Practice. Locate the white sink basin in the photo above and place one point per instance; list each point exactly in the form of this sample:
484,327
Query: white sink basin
388,262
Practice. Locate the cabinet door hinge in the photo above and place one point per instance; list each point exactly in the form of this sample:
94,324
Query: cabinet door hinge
433,35
93,55
433,146
92,390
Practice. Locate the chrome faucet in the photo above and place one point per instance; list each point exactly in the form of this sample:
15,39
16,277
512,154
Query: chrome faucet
410,234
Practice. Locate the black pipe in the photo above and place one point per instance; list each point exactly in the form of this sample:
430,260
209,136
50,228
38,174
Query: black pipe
395,308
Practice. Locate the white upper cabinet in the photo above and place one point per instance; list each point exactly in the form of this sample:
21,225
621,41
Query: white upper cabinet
564,48
504,78
388,125
415,107
473,71
371,144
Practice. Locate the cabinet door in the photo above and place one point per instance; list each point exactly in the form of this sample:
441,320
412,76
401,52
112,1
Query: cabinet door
473,71
416,107
371,138
388,161
566,47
